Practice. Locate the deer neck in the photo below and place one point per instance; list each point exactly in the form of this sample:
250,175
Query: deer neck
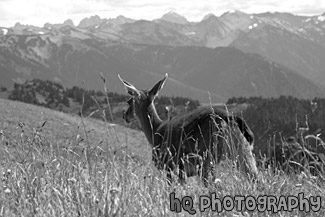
150,121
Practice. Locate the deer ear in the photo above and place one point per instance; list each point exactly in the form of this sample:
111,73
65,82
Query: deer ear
130,89
154,91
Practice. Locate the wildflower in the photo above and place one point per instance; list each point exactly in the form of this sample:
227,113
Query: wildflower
7,191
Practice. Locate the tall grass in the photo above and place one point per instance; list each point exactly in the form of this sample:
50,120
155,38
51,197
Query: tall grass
43,178
83,177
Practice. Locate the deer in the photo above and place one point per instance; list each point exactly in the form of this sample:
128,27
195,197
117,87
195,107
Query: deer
192,142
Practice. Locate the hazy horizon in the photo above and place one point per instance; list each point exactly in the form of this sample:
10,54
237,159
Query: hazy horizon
39,12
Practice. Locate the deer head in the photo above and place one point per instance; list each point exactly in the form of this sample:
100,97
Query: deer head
140,100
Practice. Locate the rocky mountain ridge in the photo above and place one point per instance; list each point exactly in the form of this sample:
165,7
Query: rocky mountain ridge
267,54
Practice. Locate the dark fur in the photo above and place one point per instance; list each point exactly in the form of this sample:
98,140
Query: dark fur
187,133
193,141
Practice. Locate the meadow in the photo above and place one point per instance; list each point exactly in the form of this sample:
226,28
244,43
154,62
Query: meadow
55,164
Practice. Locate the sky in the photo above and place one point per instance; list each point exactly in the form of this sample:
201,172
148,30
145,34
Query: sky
39,12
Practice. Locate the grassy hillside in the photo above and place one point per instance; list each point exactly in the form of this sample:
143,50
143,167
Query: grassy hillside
66,130
54,164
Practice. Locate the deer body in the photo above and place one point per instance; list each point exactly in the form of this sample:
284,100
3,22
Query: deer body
192,141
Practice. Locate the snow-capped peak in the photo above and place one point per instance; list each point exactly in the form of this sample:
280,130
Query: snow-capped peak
4,31
234,12
321,18
174,17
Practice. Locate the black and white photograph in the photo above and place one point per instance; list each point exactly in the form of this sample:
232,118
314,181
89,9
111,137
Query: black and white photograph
162,108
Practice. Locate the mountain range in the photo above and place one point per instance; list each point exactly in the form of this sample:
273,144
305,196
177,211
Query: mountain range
235,54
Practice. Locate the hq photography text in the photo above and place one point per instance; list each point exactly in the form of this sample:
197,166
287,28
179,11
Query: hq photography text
239,203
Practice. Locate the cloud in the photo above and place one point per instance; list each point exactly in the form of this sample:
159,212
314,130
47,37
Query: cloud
38,12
